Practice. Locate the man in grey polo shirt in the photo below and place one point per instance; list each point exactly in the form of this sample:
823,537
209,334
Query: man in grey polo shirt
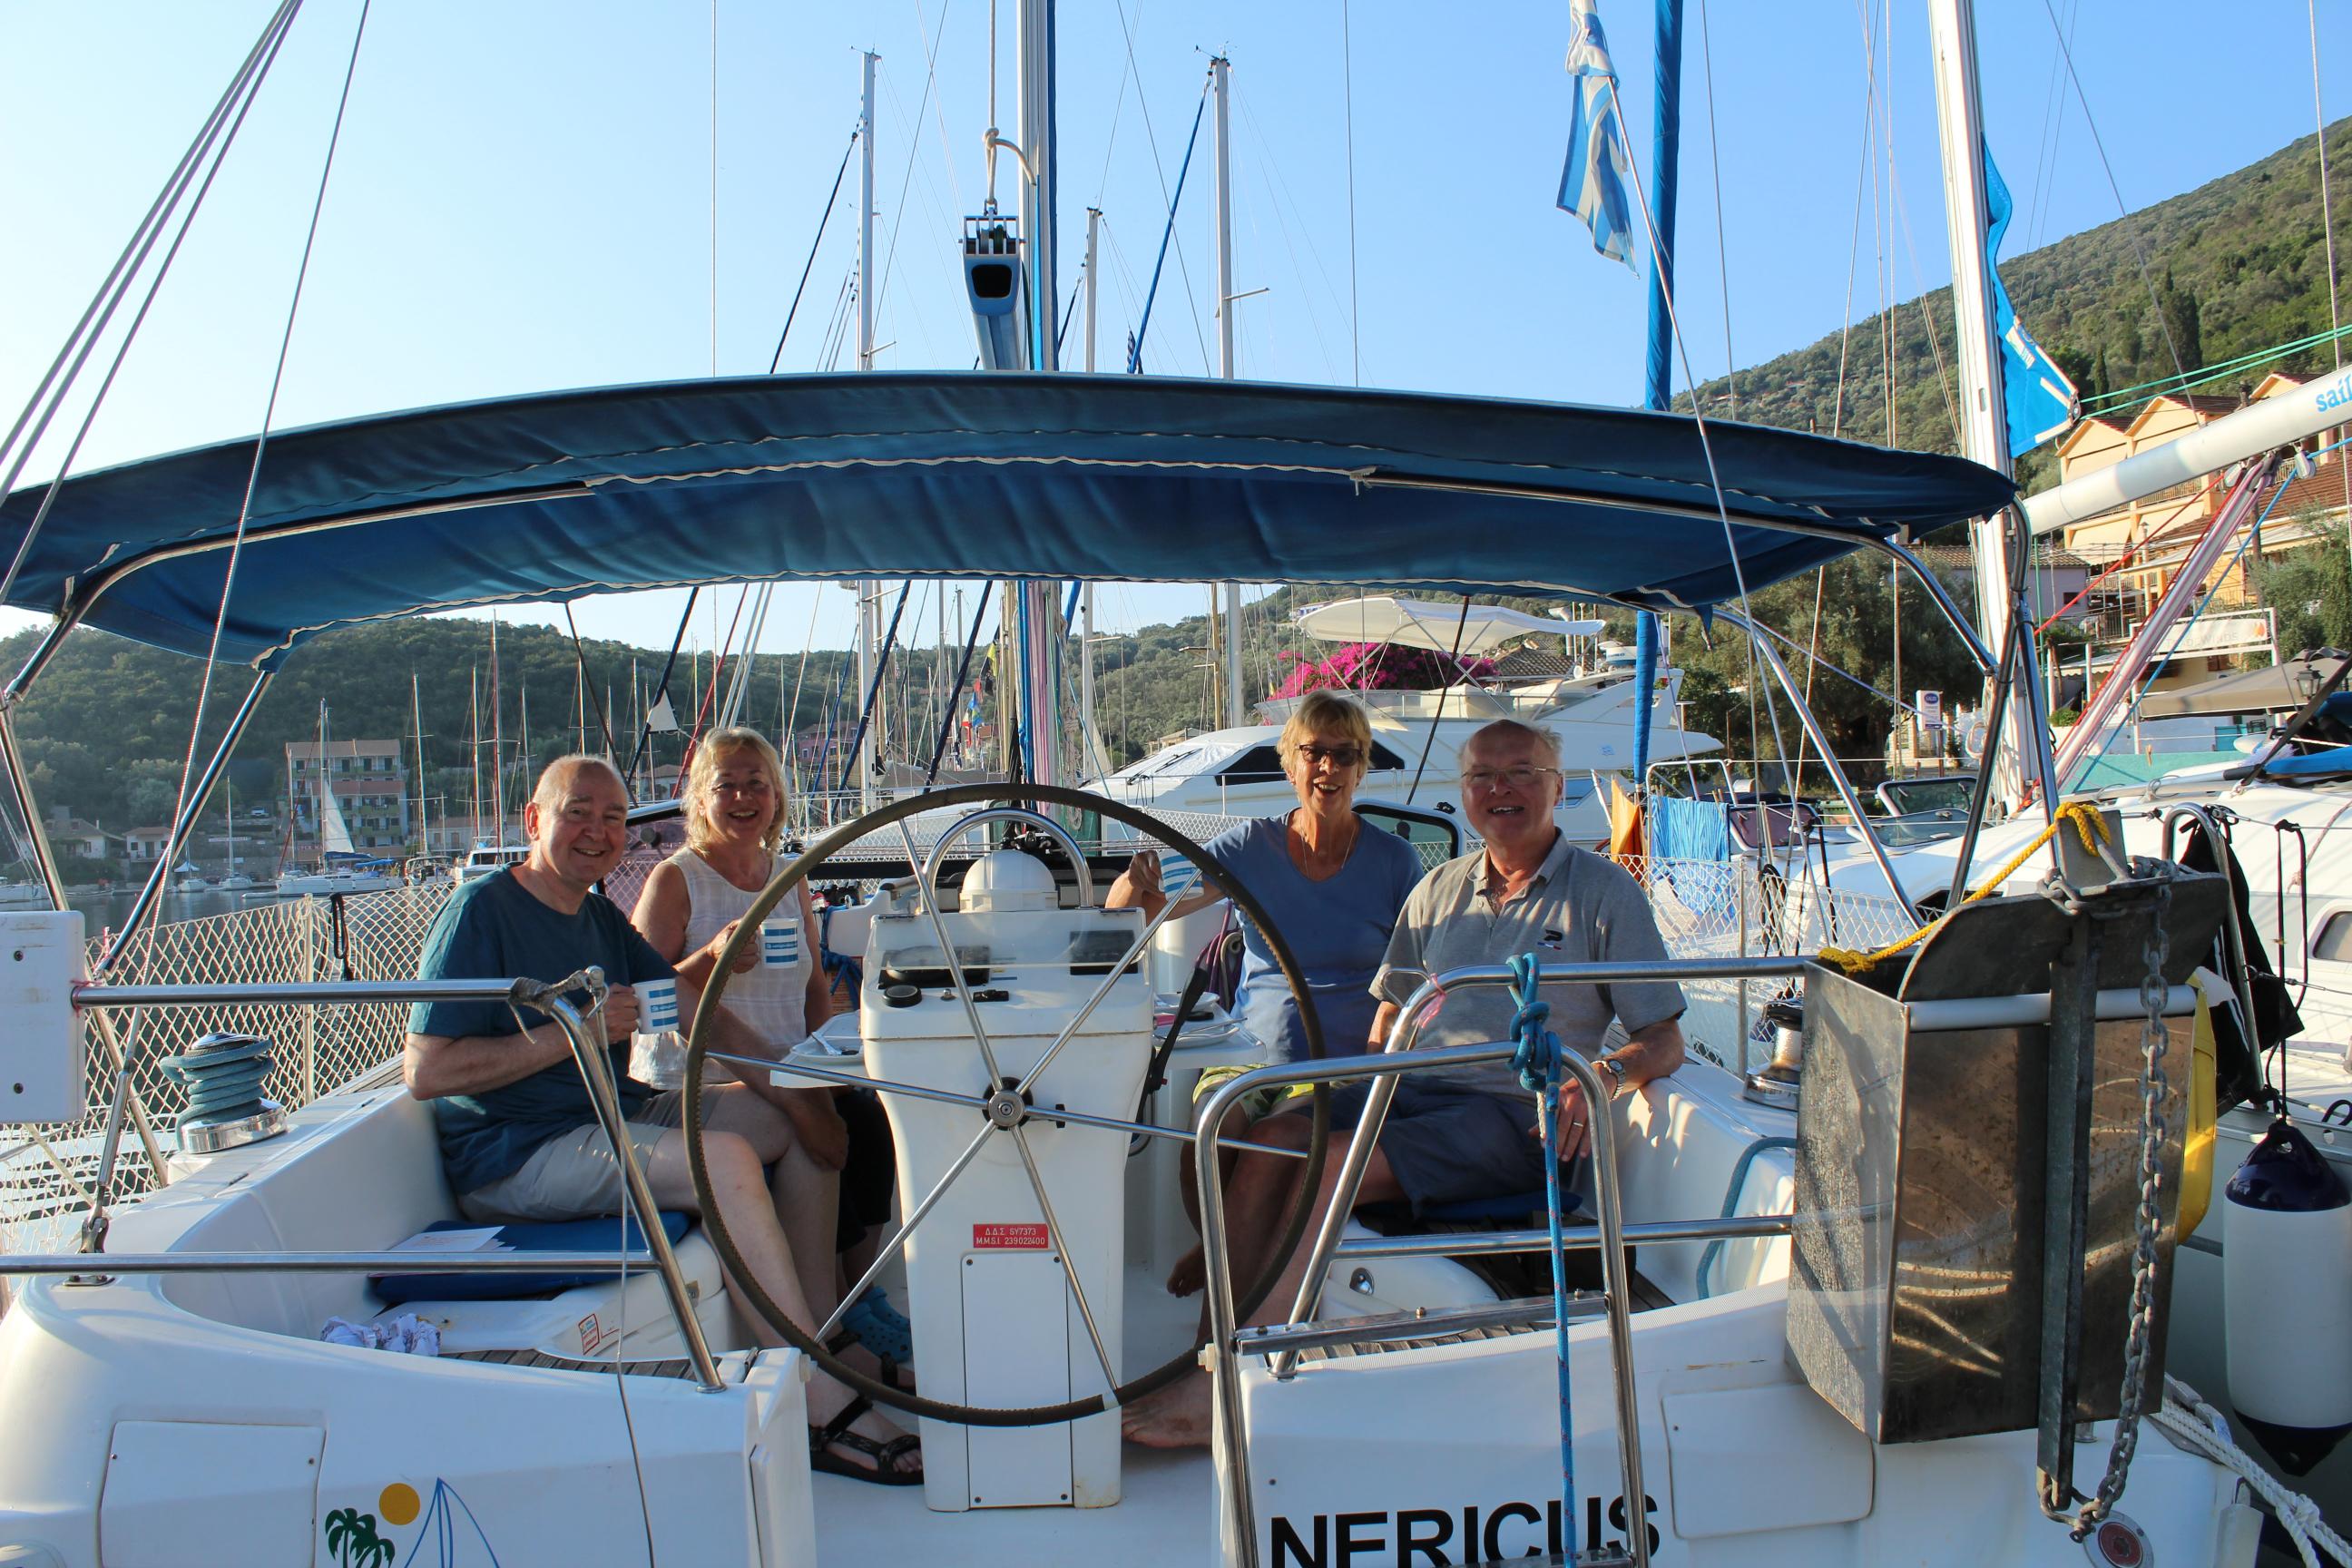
1471,1133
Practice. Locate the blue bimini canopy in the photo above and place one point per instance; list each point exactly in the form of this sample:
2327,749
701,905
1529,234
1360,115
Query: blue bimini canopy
1131,478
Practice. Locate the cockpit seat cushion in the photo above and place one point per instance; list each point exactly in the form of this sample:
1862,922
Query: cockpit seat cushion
601,1235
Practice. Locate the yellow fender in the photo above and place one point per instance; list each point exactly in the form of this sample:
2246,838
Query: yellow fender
2197,1148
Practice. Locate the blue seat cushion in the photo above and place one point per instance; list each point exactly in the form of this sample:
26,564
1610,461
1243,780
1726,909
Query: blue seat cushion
602,1234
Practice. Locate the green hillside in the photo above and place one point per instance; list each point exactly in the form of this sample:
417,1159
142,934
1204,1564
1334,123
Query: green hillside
2238,265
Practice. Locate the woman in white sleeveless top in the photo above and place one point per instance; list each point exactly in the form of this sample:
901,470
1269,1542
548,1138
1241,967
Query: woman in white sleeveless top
734,798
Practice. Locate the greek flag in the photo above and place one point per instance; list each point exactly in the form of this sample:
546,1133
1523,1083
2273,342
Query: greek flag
2041,400
1593,184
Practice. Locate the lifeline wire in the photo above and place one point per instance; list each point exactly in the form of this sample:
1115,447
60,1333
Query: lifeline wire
261,440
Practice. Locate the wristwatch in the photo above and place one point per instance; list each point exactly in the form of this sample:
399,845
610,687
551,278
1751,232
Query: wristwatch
1616,1072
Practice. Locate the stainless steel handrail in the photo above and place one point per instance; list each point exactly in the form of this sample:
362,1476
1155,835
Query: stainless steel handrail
547,997
105,1265
1402,1328
1037,819
1651,1233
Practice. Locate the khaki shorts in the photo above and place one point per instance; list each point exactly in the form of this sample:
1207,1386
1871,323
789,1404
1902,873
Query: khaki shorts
573,1175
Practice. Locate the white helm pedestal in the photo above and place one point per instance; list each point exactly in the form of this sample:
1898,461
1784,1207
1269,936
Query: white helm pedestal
995,1320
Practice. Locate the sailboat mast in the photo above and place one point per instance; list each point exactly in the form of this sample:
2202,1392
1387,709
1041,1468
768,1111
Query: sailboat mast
473,750
416,722
1096,763
1038,619
1221,88
498,743
867,589
1984,410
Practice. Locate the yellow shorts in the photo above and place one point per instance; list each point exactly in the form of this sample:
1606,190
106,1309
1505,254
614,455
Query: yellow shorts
1259,1103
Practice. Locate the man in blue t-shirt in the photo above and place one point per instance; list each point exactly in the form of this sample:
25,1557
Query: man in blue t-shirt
518,1135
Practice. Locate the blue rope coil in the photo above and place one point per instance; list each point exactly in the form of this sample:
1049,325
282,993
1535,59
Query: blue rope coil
1537,1059
223,1075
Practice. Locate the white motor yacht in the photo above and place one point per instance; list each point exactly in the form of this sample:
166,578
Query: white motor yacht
1592,707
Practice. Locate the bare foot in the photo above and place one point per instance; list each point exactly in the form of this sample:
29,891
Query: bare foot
827,1399
1181,1415
1189,1275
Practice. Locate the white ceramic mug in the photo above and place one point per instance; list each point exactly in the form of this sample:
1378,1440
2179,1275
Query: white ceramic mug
656,1004
780,941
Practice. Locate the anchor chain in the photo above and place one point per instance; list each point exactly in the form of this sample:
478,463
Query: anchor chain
2153,1086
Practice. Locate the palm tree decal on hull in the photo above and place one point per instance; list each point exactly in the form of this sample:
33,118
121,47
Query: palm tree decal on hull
353,1538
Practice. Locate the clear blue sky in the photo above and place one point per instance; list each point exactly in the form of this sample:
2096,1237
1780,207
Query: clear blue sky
523,196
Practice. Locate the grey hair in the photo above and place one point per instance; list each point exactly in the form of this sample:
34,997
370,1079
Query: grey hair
548,793
1546,740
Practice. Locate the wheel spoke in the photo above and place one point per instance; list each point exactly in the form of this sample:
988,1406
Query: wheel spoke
1069,1269
891,1249
853,1080
1117,971
1152,1130
930,892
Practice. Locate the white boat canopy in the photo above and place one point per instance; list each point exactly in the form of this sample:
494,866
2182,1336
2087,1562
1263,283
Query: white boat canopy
1441,628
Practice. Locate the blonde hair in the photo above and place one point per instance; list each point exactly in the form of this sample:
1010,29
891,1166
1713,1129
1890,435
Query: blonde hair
703,772
1324,712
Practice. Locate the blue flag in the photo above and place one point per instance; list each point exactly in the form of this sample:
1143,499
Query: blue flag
2041,400
1593,184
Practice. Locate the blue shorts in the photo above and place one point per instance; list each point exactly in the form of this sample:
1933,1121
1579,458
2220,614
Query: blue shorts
1447,1143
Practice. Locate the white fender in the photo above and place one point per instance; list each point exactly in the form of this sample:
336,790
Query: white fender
2287,1286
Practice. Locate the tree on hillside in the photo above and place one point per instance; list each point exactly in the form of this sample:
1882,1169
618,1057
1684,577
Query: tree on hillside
1856,634
2310,591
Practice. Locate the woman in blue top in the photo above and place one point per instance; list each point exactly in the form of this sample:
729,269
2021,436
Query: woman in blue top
1332,885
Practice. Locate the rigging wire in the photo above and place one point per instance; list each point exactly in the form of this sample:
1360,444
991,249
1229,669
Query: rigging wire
661,686
1453,657
1722,236
182,808
1274,200
243,89
793,714
2092,124
914,144
1698,422
775,361
1347,96
2327,219
2046,145
714,264
579,661
1159,169
2220,371
1854,243
955,696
